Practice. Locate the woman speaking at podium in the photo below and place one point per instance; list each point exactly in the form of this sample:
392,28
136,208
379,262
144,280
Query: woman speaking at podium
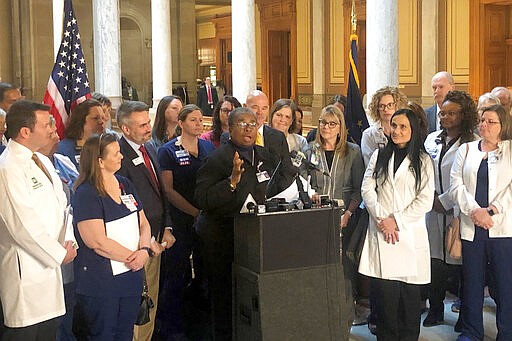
232,172
398,190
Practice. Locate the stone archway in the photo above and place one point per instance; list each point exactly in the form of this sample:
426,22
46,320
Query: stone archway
136,57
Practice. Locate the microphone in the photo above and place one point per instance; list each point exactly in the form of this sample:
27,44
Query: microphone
272,180
298,158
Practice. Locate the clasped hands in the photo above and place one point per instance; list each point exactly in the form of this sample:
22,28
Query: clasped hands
389,229
482,218
139,257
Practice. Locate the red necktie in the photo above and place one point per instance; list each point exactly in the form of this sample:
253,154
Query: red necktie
209,92
147,162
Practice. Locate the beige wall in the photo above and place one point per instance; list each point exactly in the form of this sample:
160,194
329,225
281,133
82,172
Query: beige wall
26,54
6,70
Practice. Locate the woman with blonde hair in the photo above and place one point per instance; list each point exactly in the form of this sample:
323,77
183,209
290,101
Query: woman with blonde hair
383,105
342,160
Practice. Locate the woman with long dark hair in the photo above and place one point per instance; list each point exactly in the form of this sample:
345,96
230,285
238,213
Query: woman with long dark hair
398,190
220,119
166,120
86,119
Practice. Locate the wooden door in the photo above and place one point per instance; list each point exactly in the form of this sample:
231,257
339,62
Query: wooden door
225,67
279,66
495,49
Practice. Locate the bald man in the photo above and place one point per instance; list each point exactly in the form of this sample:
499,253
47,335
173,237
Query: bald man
442,82
505,97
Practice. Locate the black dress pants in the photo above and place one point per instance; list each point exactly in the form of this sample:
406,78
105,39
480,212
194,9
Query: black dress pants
398,310
43,331
441,272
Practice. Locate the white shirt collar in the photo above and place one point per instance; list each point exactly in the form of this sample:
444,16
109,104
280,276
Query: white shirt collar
134,145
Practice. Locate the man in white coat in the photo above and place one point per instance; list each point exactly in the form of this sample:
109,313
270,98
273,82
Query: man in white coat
32,246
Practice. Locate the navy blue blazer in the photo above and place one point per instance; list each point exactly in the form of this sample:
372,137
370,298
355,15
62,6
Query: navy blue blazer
152,197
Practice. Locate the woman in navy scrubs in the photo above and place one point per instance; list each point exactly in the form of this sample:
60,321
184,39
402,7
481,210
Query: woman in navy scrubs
179,160
113,235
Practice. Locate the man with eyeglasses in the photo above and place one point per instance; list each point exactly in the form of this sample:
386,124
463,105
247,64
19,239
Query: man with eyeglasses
442,82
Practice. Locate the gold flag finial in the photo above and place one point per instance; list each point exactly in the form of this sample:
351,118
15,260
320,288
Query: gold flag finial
354,19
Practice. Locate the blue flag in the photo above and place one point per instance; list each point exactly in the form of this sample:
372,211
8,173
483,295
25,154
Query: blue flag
355,116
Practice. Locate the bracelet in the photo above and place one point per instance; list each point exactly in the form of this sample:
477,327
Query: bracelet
232,187
169,228
148,250
349,213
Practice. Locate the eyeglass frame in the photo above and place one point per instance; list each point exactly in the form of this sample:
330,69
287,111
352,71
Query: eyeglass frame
246,125
390,106
330,124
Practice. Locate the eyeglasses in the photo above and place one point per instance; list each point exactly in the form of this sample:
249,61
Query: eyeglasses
324,123
245,125
448,113
389,106
489,122
225,110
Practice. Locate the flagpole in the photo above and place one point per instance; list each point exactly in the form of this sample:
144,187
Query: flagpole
354,18
58,18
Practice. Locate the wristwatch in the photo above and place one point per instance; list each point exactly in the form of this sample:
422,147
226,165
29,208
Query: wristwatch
490,211
150,252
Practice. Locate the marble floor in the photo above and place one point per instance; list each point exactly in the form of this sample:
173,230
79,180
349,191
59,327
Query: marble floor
443,332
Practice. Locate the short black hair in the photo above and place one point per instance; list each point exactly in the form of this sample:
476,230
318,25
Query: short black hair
5,87
22,114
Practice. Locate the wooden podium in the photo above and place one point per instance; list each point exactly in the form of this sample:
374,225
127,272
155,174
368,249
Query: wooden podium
288,281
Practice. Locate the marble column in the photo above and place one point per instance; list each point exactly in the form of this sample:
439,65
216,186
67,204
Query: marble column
244,48
107,49
429,45
318,42
381,45
161,49
58,18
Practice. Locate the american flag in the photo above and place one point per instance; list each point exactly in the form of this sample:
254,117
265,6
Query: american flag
68,84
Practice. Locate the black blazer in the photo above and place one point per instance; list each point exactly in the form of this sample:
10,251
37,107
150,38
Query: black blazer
153,198
276,144
213,193
202,100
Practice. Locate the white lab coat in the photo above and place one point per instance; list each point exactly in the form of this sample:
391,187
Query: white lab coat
463,187
31,236
408,260
437,222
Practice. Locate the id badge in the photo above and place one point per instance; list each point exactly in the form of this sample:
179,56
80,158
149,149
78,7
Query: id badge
262,176
138,160
182,153
492,159
129,202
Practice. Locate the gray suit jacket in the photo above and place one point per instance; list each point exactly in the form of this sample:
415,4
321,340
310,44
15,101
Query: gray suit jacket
431,113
